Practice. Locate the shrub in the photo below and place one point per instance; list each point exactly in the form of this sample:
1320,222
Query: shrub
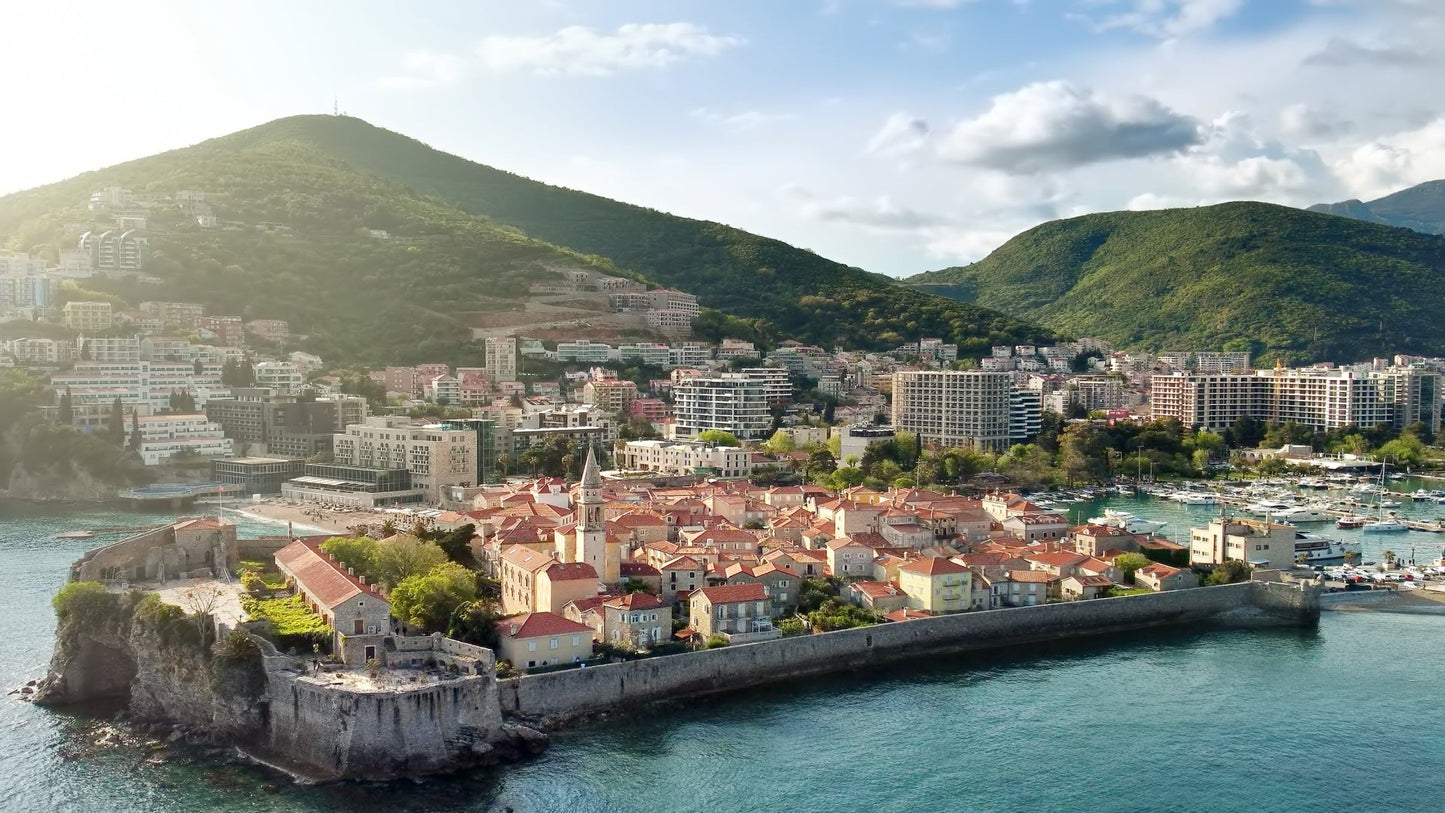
85,599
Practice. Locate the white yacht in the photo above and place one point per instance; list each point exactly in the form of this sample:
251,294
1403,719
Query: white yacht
1301,513
1115,518
1195,498
1317,549
1388,525
1268,507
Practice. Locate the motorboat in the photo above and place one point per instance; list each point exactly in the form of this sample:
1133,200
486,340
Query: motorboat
1126,521
1301,513
1352,521
1195,498
1268,506
1313,549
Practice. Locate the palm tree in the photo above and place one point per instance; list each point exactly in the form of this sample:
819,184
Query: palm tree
1389,558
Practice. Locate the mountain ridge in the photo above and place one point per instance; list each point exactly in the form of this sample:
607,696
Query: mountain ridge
1284,283
1418,208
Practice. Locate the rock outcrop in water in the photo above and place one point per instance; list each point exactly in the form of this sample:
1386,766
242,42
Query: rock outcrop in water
168,671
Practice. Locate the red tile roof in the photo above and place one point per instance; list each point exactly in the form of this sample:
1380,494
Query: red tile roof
733,593
537,625
319,575
638,569
1035,576
636,601
933,566
571,572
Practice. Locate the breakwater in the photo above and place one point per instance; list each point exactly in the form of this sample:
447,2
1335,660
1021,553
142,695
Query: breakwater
549,700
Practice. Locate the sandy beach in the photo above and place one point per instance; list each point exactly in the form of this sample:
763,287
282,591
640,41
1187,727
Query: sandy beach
310,519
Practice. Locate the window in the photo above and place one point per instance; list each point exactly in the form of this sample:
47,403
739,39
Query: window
552,643
531,646
576,640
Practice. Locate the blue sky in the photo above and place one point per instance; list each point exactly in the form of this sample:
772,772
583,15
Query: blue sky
897,135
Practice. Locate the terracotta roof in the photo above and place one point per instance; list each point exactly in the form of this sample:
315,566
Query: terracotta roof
638,569
682,563
322,577
844,542
1057,558
733,593
1036,576
876,590
526,558
636,601
905,615
1093,581
933,566
1158,571
537,625
571,572
589,603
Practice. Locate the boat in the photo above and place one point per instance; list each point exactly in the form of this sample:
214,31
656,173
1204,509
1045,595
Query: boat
1126,521
1386,524
1195,498
1267,507
1352,521
1301,513
1313,549
75,535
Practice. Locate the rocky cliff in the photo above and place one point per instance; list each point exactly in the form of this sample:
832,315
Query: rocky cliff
167,670
160,662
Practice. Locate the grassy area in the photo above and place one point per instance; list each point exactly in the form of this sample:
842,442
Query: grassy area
288,616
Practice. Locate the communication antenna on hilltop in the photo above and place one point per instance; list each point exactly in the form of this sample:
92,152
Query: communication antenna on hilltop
335,106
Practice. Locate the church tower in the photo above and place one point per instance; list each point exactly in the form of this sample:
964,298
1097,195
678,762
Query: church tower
592,546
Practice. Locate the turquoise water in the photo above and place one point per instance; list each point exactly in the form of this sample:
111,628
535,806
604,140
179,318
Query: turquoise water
1285,720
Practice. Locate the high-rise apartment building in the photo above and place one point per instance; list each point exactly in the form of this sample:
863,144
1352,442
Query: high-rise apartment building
955,408
436,457
730,402
501,358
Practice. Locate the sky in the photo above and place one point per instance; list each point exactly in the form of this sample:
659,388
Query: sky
899,136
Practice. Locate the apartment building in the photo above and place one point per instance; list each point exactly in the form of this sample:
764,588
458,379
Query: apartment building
280,376
163,437
730,402
88,317
435,457
584,351
685,459
777,383
138,382
613,395
501,358
955,408
1318,397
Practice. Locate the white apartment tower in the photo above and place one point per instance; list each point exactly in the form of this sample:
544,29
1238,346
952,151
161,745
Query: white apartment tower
501,358
730,402
955,408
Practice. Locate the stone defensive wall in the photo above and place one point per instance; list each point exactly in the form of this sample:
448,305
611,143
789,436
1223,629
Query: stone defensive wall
552,698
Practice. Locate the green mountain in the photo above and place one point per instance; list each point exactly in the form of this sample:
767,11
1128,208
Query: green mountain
1284,283
794,292
1421,208
296,200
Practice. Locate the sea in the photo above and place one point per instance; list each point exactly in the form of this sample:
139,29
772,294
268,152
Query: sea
1345,716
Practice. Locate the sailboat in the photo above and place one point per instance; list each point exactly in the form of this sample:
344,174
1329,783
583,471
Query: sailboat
1385,524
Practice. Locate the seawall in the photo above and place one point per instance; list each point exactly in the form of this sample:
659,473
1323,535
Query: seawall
550,699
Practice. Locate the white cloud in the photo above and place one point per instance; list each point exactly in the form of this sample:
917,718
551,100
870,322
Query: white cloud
1346,53
576,50
1304,120
880,213
1057,125
1388,164
901,134
745,120
422,69
1168,19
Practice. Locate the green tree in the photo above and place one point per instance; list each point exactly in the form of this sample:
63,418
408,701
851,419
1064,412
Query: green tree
356,552
718,437
115,425
780,443
135,437
403,556
1130,562
65,415
1229,572
429,601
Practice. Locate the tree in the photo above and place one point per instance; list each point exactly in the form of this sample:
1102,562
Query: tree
1130,562
65,415
428,601
476,623
135,437
718,437
456,544
202,601
1352,556
115,426
1229,572
404,556
356,552
780,443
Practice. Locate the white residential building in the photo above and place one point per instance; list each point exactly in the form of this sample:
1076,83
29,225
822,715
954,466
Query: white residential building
437,458
730,402
166,436
281,376
140,382
685,459
501,358
955,408
584,351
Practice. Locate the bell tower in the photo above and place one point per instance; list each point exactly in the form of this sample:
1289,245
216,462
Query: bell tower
591,525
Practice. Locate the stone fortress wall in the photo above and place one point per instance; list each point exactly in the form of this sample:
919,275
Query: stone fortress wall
549,699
